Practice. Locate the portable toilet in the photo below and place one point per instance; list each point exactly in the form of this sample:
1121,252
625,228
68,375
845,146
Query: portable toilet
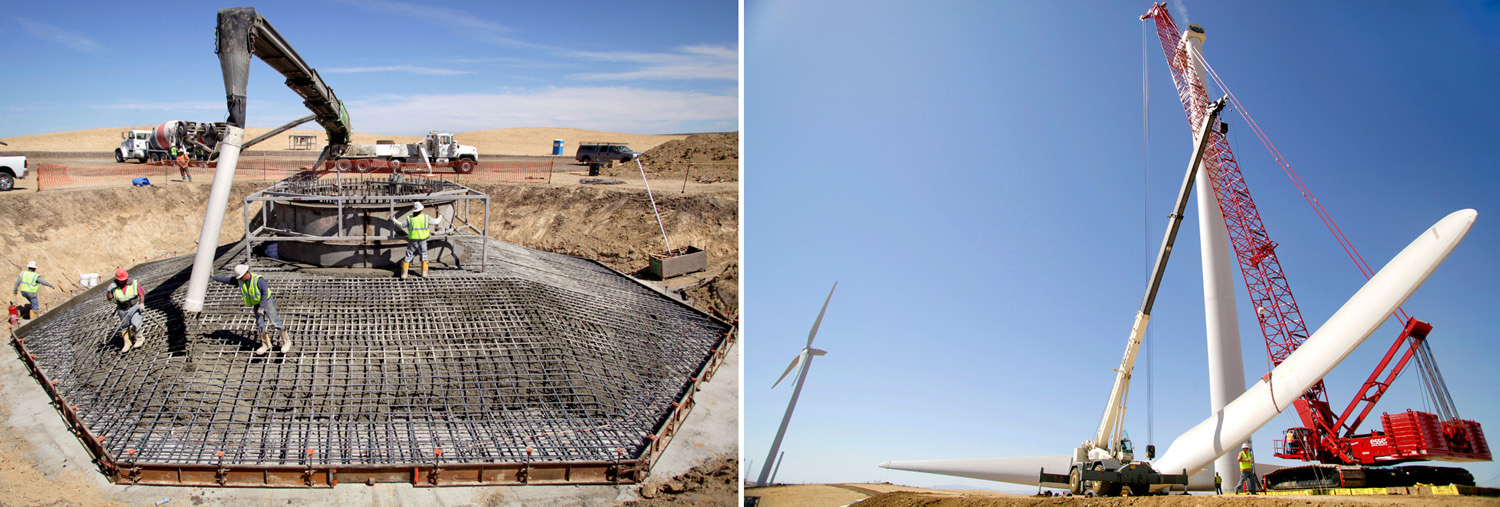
557,146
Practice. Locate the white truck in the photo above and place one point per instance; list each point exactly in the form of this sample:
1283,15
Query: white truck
438,147
136,144
12,168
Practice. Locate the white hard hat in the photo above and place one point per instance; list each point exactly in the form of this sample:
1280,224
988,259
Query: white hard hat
1245,445
31,265
416,207
240,270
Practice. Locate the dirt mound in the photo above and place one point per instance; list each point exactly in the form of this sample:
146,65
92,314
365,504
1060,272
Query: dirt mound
705,158
712,483
618,228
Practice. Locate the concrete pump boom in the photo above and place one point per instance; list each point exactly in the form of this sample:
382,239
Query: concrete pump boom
240,33
1111,427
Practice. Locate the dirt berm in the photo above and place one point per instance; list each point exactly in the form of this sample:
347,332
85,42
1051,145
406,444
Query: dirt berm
69,232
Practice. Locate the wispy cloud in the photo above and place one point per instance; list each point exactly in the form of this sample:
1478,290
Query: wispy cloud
689,62
409,69
462,22
622,109
50,32
163,106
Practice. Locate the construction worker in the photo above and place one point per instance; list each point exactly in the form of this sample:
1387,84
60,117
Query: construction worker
27,285
182,166
129,303
257,293
1247,470
418,229
1218,484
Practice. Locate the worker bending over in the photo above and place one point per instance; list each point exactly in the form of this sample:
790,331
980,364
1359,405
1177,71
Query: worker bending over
27,284
418,229
129,303
257,293
1247,470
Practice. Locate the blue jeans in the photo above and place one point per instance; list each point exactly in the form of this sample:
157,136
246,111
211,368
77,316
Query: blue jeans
1247,481
414,246
31,297
267,308
130,318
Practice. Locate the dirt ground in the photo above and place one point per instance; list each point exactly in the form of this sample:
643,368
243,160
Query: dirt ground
712,483
886,495
704,158
517,141
95,230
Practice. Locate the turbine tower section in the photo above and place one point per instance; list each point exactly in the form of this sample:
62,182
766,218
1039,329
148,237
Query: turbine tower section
1277,314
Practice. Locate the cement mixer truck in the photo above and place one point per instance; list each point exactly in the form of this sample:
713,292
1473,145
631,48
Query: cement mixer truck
156,144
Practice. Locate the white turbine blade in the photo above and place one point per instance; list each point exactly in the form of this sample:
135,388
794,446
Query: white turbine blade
1339,335
814,332
817,352
788,370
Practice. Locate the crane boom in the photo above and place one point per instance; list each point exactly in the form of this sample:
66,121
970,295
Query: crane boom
1111,427
1326,437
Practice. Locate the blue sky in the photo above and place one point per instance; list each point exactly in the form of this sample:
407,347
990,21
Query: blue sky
973,175
401,67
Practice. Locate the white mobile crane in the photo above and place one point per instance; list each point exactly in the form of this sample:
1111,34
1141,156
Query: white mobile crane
1108,461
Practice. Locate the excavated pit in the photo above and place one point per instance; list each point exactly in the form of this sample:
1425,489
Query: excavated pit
537,368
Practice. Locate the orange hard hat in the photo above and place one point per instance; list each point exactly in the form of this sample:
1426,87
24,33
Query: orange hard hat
121,275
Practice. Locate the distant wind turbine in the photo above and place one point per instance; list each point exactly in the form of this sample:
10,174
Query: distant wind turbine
805,357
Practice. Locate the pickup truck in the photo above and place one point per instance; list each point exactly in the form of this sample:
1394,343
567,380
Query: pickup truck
12,169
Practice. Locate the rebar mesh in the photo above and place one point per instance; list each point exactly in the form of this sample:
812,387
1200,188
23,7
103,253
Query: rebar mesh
538,358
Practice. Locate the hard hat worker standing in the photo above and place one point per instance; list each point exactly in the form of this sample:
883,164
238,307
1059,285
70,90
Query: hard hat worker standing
1247,469
418,229
257,293
27,284
182,166
129,303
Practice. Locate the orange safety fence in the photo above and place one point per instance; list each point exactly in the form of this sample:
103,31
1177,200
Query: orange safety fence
56,176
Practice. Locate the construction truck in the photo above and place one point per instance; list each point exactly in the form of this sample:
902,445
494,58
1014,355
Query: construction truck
156,145
436,148
12,169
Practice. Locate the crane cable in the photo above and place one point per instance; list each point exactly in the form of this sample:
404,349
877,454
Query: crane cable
1146,230
1432,381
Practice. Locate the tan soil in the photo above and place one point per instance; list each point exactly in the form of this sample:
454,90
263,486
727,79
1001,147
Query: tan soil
516,141
704,158
95,229
712,483
838,495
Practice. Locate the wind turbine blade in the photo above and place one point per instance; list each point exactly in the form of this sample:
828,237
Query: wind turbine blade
816,323
788,370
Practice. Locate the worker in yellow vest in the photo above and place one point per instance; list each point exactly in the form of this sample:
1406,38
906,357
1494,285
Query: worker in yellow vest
129,303
1247,469
27,284
257,294
418,228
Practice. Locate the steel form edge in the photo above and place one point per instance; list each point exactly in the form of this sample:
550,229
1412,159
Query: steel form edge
623,471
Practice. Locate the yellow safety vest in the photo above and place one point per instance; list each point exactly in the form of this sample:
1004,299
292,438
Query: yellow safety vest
416,227
1246,462
128,293
29,281
251,290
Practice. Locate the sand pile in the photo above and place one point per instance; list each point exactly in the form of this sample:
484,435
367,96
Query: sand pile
704,158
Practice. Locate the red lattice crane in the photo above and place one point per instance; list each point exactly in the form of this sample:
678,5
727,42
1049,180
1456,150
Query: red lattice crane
1330,439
